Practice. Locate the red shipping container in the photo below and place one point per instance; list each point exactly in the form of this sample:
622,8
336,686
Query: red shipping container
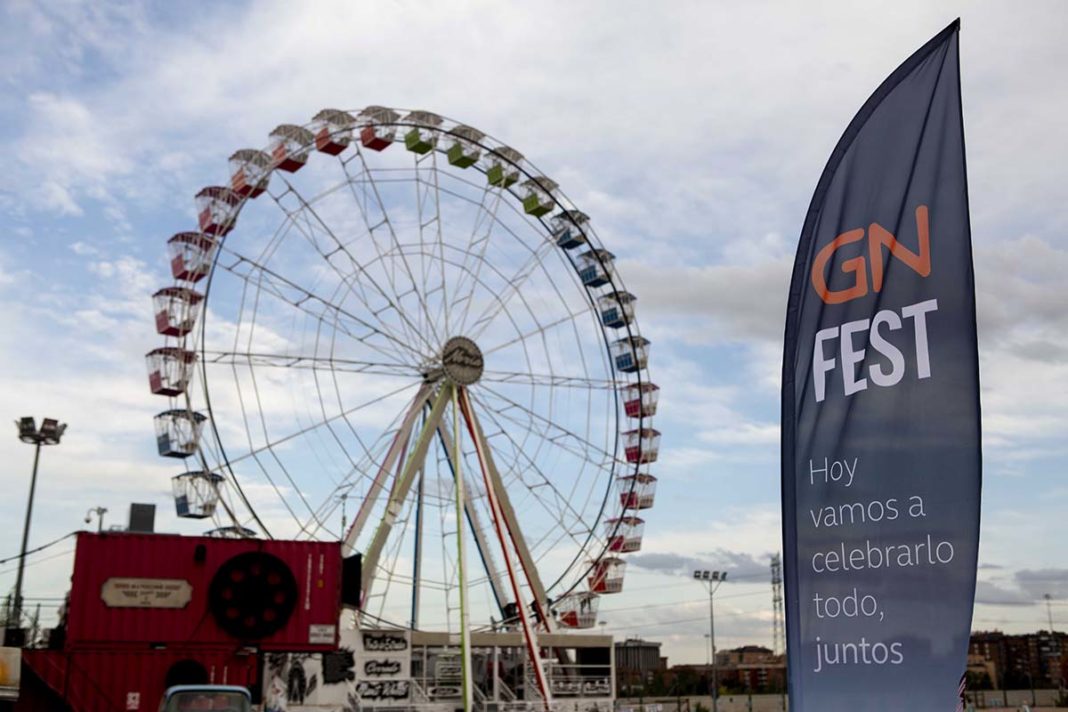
112,680
150,590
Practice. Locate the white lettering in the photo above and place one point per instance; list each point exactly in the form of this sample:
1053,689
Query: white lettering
880,344
851,357
918,312
821,365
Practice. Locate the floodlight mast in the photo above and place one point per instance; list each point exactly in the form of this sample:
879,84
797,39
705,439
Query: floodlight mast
50,433
712,580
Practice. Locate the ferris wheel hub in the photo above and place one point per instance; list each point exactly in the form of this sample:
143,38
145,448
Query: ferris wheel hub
461,361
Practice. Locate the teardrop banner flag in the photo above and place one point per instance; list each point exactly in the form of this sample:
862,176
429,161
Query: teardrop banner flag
881,461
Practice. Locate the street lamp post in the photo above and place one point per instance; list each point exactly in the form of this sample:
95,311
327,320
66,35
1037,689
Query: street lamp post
49,434
712,580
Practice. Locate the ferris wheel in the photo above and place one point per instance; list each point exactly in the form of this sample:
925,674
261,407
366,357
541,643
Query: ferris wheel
414,343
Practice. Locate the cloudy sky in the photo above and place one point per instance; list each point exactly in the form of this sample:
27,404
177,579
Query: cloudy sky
692,133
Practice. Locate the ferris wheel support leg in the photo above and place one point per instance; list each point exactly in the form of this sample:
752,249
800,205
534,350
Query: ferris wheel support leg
417,555
500,522
495,485
394,452
465,634
484,551
401,488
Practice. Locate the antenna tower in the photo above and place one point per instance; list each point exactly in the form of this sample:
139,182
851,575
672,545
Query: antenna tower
778,635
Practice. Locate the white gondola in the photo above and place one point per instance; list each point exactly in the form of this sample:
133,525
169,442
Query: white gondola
290,146
463,150
250,171
606,575
178,432
617,309
630,354
379,129
641,445
191,255
333,130
217,210
424,136
176,310
538,199
168,370
640,399
624,534
501,166
637,491
568,228
196,494
577,610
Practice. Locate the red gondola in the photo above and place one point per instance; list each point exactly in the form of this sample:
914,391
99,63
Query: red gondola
168,370
250,170
217,210
176,310
290,146
642,445
191,255
333,130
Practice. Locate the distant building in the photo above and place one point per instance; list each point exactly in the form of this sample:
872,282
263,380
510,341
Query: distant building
636,662
1037,660
750,668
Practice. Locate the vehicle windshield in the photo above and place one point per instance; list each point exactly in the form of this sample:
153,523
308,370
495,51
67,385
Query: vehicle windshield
193,700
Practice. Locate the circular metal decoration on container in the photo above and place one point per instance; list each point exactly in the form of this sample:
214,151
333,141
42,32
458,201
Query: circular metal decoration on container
252,595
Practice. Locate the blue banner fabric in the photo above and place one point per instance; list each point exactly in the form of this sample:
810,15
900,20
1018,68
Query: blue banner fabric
881,459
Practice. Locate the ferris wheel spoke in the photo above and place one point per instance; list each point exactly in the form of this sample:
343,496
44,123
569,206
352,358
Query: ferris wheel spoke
309,362
432,193
515,285
465,298
547,379
310,224
581,535
580,445
260,277
259,449
370,461
562,498
389,267
539,331
426,326
269,450
316,223
300,220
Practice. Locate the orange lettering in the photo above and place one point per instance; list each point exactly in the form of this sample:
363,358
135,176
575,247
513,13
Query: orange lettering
855,265
878,236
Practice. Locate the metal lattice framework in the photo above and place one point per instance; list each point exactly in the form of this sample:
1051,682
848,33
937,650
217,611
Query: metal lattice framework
420,323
